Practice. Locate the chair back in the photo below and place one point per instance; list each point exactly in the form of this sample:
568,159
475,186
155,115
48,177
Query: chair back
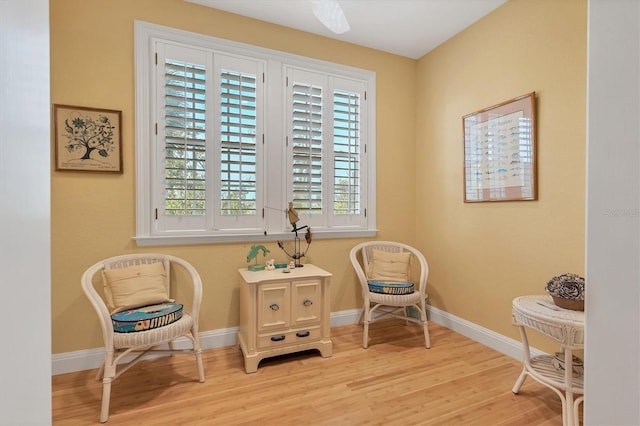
365,250
385,246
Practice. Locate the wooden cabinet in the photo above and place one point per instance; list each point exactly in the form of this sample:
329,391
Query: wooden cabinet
283,312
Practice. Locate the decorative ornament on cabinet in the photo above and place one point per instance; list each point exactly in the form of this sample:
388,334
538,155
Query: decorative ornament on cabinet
297,254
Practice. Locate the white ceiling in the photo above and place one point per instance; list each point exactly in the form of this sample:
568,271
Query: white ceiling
408,28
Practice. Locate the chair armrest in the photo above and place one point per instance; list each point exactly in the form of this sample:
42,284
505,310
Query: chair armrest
358,268
196,282
98,303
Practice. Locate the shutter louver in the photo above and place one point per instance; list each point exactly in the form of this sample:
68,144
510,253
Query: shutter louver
238,144
307,148
184,139
346,146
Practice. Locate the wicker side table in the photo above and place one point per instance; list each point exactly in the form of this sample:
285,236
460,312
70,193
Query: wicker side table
565,327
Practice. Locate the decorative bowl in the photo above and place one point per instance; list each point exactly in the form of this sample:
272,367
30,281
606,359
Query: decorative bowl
567,291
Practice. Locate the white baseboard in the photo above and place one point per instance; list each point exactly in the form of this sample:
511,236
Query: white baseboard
92,358
500,343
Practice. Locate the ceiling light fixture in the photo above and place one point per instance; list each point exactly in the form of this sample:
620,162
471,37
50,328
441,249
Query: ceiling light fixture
331,15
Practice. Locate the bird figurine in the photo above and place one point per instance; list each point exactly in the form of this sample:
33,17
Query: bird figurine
293,215
253,254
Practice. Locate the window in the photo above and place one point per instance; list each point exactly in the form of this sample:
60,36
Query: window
228,134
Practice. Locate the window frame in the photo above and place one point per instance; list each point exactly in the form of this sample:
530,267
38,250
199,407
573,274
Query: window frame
275,130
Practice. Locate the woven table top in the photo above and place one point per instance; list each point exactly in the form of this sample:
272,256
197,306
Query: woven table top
539,312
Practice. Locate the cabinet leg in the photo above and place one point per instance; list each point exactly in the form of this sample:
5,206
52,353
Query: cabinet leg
251,363
326,349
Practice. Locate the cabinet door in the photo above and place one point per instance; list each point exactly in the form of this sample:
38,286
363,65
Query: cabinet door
306,302
273,306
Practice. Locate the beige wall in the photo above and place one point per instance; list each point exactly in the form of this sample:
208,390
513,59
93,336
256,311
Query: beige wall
482,255
93,215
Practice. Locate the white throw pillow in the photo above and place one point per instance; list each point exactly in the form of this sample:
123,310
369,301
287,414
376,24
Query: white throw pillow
135,286
389,266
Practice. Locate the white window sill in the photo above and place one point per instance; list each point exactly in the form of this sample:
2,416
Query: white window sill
163,240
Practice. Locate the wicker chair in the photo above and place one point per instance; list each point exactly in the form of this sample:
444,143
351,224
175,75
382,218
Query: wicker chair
137,344
394,305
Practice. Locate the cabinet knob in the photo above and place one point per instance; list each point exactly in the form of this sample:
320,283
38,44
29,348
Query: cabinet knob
278,338
307,302
274,307
303,334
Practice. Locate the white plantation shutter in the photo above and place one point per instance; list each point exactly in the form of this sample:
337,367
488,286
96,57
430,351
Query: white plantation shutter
348,153
239,199
181,140
306,118
238,143
185,138
307,148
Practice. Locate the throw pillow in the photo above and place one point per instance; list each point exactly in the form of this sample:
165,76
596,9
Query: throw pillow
387,266
134,286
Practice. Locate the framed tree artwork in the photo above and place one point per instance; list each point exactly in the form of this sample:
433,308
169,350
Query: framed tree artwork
87,139
500,151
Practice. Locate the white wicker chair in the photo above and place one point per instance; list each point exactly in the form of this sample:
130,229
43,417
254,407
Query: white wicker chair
391,304
138,344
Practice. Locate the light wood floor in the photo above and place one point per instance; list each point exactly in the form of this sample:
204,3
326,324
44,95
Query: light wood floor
396,381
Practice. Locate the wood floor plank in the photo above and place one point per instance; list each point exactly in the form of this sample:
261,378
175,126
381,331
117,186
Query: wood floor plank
396,381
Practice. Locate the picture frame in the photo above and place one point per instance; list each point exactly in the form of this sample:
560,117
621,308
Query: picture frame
500,152
87,139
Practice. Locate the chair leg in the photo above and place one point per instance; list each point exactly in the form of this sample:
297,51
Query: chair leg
106,397
365,336
423,318
427,341
101,370
200,366
107,379
366,313
198,351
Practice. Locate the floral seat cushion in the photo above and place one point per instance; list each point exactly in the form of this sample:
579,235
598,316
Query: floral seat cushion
390,287
146,317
